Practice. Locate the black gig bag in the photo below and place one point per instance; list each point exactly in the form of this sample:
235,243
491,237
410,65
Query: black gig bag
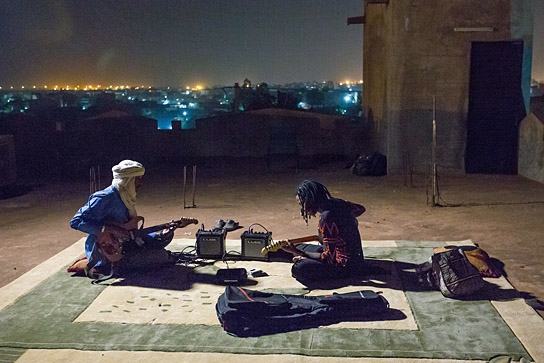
244,312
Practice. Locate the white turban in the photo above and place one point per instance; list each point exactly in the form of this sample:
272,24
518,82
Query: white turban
123,180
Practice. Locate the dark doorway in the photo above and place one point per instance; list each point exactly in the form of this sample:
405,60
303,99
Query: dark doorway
495,107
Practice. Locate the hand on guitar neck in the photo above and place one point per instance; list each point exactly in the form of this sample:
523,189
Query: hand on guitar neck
276,245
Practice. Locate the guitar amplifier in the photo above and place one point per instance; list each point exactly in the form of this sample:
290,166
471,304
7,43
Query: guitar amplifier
254,242
211,244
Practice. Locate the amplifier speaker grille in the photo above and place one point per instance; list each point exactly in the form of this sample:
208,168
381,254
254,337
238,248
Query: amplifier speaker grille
210,244
253,243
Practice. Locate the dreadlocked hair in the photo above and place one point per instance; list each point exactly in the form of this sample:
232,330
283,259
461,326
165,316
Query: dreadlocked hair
311,194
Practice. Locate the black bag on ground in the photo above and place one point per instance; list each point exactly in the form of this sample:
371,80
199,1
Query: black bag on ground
245,312
452,273
374,164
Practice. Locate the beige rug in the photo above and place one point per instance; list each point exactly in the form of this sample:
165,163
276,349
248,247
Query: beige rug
143,305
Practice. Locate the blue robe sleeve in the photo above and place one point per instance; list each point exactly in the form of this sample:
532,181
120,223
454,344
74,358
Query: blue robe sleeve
101,207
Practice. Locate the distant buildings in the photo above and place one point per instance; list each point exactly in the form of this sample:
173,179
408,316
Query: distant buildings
63,133
187,105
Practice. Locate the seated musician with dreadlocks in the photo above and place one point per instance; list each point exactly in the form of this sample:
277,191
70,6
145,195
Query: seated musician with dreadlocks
340,253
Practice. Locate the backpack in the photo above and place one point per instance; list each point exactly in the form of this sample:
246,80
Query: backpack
244,312
451,273
374,164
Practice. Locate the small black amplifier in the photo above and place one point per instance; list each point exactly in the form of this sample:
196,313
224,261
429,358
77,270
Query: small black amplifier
211,244
254,242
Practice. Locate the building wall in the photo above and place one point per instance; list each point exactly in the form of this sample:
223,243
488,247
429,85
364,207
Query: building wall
417,69
8,166
43,149
531,148
257,133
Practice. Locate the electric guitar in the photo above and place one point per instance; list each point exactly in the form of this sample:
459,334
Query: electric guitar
113,236
276,245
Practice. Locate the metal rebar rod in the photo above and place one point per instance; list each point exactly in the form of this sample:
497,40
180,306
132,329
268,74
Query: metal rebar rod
194,184
435,186
184,184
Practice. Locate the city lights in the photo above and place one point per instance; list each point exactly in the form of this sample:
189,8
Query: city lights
76,87
186,103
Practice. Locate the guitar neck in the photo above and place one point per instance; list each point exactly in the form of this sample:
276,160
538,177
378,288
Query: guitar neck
296,241
276,245
174,224
147,230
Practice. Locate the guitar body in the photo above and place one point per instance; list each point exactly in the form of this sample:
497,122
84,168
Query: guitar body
111,245
114,236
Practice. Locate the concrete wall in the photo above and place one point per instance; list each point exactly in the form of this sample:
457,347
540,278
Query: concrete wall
414,58
82,142
8,166
531,148
256,133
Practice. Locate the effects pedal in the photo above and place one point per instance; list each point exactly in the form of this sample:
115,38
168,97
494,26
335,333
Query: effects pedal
231,276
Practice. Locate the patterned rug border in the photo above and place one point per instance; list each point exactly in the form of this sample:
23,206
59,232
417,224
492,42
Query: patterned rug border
526,324
65,355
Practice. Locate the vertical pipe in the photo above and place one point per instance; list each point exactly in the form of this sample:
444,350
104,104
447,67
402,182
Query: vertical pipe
435,186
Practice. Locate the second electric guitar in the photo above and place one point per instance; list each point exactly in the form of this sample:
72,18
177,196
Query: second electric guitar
276,245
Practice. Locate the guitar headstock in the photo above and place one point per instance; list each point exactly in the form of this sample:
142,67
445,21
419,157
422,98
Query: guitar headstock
274,246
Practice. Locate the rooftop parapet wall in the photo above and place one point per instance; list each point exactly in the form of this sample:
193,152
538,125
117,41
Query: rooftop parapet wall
69,151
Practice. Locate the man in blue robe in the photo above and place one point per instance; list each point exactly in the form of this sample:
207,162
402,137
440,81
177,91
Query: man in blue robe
115,206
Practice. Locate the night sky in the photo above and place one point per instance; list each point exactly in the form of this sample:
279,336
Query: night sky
177,42
185,43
